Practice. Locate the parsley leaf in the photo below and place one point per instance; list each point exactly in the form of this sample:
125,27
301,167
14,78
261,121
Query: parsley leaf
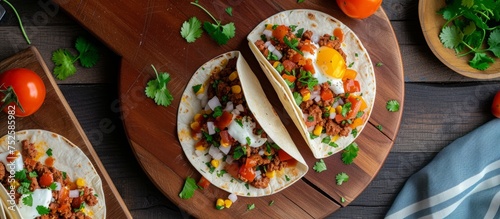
188,189
341,178
220,33
346,108
451,37
494,42
481,61
42,210
63,61
319,166
349,153
191,29
157,89
28,200
229,10
217,111
392,105
88,53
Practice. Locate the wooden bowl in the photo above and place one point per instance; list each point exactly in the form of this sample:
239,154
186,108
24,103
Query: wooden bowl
431,23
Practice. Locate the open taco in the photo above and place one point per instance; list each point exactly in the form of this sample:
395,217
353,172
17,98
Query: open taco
231,134
322,74
44,175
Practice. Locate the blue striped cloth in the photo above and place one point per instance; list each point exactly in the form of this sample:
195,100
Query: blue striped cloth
462,181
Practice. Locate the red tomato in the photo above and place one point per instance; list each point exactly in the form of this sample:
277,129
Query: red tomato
326,94
355,106
495,106
203,183
225,138
351,86
309,66
63,194
284,156
280,32
359,8
247,173
224,120
232,169
289,65
46,179
28,88
77,202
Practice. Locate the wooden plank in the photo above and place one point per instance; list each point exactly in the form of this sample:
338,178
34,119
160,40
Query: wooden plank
55,115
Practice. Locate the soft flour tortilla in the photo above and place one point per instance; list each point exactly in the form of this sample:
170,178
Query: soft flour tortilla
68,158
263,112
320,23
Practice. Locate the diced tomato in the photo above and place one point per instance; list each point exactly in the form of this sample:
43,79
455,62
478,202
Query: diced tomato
280,32
63,194
355,106
284,156
49,161
309,66
247,173
308,48
225,138
351,86
224,120
350,74
232,169
296,58
252,161
304,91
289,78
339,34
77,202
326,94
339,118
203,183
289,65
46,179
64,207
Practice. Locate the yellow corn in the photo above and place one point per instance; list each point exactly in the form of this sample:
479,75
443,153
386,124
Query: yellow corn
197,117
224,144
335,138
270,174
267,153
339,109
228,203
215,163
220,202
275,64
200,91
195,126
317,130
233,76
332,110
306,97
80,182
201,147
236,89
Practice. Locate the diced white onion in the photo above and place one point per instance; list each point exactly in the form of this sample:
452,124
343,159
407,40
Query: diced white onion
74,193
268,33
317,98
229,160
341,102
207,107
258,175
204,100
229,106
58,186
199,153
278,55
305,115
266,44
335,104
332,115
215,153
261,152
235,113
271,48
211,128
315,38
240,108
233,197
225,150
214,102
310,129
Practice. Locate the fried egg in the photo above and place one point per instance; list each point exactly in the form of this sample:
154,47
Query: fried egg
329,67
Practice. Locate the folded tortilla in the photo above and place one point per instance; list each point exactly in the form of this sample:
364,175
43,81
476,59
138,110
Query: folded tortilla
263,112
68,158
320,23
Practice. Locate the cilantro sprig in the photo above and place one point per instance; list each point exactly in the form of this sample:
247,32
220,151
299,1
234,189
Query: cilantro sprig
221,33
191,29
64,60
468,24
157,90
319,166
188,189
349,153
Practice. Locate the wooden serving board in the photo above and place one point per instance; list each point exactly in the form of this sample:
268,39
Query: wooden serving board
56,116
148,33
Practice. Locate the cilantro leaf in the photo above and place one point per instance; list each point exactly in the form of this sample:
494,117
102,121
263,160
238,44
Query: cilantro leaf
218,32
451,37
191,29
300,1
319,166
89,54
197,88
349,153
157,89
494,42
481,61
379,127
229,10
188,189
229,30
63,61
28,200
32,174
49,152
42,210
52,186
392,105
250,206
297,97
341,178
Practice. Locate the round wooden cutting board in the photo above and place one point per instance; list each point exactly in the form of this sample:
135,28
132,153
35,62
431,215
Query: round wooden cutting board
152,129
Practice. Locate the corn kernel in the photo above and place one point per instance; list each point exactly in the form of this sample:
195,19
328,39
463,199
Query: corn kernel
275,64
236,89
198,117
271,174
317,130
332,110
215,163
220,202
306,97
228,203
233,76
339,109
335,138
201,90
195,126
80,182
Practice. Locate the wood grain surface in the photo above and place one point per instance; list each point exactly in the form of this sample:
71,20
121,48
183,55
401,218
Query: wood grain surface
152,130
56,116
440,106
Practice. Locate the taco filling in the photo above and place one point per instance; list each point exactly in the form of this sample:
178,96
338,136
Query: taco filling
40,190
231,134
315,70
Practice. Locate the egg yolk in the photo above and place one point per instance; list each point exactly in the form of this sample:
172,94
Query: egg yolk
331,62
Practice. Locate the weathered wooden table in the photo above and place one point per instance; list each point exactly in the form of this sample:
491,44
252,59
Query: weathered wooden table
439,106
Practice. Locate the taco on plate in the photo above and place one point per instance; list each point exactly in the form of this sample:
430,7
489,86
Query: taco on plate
322,74
231,134
44,175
